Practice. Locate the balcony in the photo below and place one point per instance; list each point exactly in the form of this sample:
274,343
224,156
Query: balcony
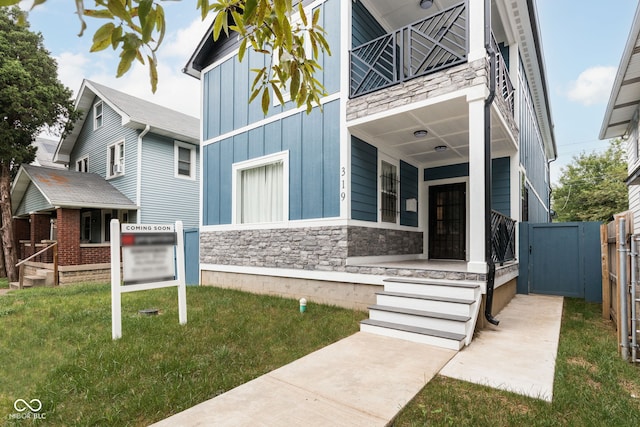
435,43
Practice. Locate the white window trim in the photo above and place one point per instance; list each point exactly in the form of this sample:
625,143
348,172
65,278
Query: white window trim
395,162
82,160
192,159
237,169
109,173
95,115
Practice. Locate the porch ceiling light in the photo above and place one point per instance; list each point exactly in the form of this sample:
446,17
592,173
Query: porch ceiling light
420,133
439,148
426,4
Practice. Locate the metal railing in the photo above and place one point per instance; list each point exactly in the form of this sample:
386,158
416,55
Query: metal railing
429,45
504,86
503,238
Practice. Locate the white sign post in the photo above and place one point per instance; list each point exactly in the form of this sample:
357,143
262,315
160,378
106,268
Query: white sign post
147,263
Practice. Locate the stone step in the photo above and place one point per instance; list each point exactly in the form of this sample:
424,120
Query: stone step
34,280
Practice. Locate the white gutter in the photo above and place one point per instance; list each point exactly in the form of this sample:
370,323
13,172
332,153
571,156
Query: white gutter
139,173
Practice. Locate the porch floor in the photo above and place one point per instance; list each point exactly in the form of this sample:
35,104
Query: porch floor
422,264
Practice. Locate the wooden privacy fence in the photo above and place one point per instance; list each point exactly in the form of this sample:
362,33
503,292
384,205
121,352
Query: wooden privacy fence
615,246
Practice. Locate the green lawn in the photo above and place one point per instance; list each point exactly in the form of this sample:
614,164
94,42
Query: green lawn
593,386
57,347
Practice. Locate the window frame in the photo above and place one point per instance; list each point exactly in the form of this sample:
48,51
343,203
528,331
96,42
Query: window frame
192,160
98,117
82,164
236,192
395,163
111,164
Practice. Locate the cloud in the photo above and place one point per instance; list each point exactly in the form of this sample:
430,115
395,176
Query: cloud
593,85
176,90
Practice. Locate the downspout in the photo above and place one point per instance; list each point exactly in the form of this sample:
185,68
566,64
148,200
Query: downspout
491,275
139,173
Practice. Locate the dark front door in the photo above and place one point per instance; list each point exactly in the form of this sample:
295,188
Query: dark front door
447,221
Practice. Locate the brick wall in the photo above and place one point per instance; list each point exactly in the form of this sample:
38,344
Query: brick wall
40,227
68,236
95,254
21,231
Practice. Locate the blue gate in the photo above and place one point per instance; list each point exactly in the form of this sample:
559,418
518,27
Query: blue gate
192,255
561,259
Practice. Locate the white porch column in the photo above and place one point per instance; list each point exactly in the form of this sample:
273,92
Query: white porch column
476,257
476,30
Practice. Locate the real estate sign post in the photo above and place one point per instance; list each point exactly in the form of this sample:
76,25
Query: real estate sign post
147,263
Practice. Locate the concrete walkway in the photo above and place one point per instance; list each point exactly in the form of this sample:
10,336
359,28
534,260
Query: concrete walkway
366,379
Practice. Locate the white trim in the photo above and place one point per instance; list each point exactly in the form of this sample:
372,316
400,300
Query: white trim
237,168
345,135
95,115
109,173
268,120
376,259
326,276
308,223
192,160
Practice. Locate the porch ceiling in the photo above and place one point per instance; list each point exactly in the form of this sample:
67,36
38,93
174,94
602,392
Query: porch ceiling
447,124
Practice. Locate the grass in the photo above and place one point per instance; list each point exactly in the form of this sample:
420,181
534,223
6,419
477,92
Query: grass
4,283
57,347
593,386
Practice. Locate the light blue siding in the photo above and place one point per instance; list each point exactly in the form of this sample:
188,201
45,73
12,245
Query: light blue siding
408,190
33,201
313,145
226,87
94,143
364,27
500,186
166,198
364,180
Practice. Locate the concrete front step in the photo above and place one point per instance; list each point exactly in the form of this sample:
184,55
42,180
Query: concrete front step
34,280
447,289
441,339
16,285
420,318
457,306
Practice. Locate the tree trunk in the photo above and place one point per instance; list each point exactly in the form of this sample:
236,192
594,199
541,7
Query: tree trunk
6,231
3,271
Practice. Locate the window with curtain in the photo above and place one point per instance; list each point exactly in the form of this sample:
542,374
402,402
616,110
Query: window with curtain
261,195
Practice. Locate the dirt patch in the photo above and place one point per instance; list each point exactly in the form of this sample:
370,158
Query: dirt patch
579,361
631,387
514,407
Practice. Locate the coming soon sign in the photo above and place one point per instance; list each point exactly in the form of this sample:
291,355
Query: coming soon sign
152,258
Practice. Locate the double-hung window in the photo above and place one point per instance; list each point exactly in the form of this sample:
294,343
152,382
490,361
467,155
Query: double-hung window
115,159
97,115
261,189
82,165
185,160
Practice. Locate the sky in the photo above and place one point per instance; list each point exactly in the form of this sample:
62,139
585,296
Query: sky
582,46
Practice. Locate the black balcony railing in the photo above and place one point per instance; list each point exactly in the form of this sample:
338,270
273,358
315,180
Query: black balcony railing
503,238
429,45
504,86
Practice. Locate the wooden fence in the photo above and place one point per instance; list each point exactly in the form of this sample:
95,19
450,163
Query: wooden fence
611,240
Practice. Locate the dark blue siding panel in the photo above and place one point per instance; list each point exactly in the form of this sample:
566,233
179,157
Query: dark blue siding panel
312,165
446,172
211,185
331,202
192,256
408,190
241,92
364,181
365,27
212,103
240,147
273,138
331,63
500,198
256,61
226,96
256,143
226,162
291,140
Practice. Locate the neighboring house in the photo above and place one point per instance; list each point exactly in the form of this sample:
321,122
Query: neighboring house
621,116
127,158
385,186
46,148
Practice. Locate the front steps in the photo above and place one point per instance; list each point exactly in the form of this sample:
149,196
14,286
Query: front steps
34,278
436,312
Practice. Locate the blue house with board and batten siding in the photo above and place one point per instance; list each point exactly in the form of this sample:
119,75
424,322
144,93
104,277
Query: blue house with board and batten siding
126,158
379,199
